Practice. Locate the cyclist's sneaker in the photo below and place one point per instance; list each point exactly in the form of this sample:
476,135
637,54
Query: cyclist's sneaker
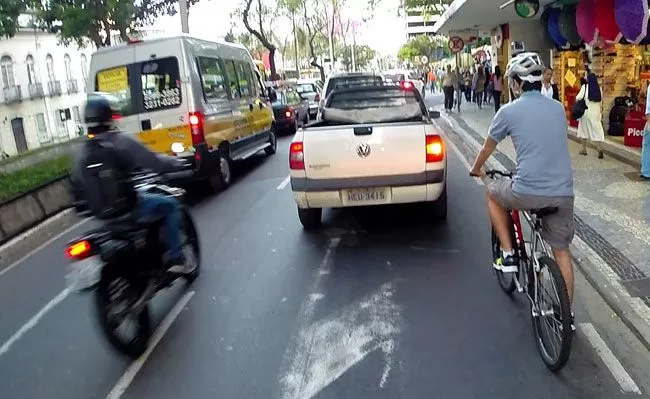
506,263
573,322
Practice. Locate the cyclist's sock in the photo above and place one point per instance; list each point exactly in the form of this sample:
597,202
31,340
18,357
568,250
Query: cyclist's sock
507,253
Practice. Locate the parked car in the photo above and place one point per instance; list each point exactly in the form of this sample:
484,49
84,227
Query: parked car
290,110
310,89
402,76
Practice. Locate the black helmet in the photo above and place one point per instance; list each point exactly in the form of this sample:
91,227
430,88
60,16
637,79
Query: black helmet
100,111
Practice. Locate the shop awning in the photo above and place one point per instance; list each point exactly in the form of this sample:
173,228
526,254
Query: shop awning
478,14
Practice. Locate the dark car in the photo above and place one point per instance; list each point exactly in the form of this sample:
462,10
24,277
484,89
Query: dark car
290,110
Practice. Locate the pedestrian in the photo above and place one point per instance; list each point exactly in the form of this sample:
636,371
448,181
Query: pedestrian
497,87
448,85
487,75
590,127
468,85
645,147
459,88
431,78
549,89
479,86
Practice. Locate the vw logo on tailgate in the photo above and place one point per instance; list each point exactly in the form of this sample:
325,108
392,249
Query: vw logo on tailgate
363,150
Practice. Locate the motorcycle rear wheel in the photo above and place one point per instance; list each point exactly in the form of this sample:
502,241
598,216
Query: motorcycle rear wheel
192,238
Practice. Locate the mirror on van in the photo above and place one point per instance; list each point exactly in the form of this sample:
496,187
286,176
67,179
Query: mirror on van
273,96
434,114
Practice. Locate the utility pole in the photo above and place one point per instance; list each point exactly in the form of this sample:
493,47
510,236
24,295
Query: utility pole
330,36
354,46
295,42
185,16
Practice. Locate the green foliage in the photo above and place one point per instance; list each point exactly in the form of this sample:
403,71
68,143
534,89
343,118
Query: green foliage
363,56
423,45
21,181
79,20
9,12
230,37
428,6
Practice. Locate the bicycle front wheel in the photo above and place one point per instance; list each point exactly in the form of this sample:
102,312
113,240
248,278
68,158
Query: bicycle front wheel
506,280
552,323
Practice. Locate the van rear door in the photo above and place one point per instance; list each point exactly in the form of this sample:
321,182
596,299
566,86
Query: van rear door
163,98
115,73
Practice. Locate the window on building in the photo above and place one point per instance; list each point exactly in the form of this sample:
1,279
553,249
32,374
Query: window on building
60,125
7,71
84,67
68,67
41,128
49,61
214,80
76,115
31,70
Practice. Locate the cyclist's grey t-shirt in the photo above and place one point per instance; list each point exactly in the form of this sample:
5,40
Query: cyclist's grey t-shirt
538,128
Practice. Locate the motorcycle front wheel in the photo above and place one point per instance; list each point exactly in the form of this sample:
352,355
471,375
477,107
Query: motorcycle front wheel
114,294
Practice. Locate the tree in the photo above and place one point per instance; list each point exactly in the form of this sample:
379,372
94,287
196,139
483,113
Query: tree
230,37
10,10
428,6
363,56
423,45
82,19
262,15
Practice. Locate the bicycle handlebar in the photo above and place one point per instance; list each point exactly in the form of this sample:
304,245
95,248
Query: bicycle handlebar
495,172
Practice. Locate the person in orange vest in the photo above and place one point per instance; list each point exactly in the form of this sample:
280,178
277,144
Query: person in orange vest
431,79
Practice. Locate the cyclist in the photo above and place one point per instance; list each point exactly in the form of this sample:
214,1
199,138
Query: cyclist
99,116
544,175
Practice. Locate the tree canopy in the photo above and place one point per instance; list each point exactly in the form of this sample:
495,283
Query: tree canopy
363,56
427,6
424,45
9,12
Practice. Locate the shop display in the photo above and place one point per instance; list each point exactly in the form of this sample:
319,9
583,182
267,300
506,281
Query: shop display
608,30
632,18
554,29
586,21
568,27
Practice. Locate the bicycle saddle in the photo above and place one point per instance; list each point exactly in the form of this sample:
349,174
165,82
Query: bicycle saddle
541,212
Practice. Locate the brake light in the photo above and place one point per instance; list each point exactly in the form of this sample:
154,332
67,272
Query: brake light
78,250
134,41
296,156
289,112
435,150
406,85
116,116
196,127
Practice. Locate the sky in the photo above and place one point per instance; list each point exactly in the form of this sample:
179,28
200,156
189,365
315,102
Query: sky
210,19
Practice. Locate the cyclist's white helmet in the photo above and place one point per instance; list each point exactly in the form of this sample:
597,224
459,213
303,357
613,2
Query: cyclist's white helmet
524,65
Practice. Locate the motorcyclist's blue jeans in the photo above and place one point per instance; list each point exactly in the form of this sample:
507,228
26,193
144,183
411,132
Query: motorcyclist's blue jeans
156,206
645,154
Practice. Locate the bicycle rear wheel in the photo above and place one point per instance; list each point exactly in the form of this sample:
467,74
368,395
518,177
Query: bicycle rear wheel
556,348
506,280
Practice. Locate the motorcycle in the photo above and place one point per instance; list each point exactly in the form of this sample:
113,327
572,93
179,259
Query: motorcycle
121,262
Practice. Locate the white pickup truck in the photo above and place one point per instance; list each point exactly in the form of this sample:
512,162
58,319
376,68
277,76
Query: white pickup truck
375,145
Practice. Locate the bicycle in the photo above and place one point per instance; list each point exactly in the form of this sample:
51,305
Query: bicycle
536,264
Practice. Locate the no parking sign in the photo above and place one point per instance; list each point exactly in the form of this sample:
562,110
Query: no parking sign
456,44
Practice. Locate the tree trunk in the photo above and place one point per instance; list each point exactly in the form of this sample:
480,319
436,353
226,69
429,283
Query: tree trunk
259,34
274,74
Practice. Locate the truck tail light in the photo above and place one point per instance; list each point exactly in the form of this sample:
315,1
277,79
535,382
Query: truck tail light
296,156
435,149
196,127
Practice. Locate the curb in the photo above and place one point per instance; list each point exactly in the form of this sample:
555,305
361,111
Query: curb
605,286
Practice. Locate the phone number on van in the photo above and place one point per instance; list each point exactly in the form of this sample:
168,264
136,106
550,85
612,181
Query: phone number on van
166,98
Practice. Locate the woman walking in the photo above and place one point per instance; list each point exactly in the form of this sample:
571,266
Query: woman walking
590,127
479,86
497,87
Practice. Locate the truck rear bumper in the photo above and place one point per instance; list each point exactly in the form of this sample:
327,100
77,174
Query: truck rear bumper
394,195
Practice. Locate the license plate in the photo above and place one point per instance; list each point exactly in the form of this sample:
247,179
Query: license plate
83,274
367,196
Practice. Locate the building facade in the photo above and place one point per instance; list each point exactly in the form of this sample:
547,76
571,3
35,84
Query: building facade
419,23
43,85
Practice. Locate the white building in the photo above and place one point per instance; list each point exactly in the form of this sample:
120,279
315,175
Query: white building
43,85
419,24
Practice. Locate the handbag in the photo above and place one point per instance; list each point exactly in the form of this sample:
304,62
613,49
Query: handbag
579,108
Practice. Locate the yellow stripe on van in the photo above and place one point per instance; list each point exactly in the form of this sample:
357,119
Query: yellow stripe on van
161,140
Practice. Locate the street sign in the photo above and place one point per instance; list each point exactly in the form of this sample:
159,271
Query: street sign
424,59
456,44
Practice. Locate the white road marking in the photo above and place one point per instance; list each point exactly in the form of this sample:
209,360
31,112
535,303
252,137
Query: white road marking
284,183
462,159
331,346
33,321
40,247
615,367
126,380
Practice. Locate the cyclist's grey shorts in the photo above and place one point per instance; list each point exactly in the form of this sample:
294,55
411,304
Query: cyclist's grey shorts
557,229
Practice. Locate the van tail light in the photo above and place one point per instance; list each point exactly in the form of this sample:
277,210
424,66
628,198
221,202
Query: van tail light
196,127
296,156
78,250
288,112
435,149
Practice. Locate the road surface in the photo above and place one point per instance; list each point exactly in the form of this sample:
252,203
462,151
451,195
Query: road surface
380,304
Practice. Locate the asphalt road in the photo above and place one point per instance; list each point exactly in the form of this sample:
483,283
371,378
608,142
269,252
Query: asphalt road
380,304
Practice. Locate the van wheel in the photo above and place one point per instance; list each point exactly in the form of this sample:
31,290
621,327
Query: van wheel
223,176
273,140
310,218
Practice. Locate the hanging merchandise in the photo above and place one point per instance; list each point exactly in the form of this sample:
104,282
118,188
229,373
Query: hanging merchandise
586,21
554,29
568,25
632,19
548,40
526,8
608,30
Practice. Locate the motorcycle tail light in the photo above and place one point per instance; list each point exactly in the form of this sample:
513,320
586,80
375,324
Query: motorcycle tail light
78,250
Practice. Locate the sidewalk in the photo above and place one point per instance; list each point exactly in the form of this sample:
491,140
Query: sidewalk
612,244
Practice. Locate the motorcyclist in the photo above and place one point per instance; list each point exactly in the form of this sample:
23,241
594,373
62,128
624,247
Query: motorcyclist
100,115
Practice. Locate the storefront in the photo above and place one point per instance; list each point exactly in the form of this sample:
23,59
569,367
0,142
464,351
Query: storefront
608,38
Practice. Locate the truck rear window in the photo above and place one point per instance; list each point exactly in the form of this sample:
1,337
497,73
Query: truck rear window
368,98
143,86
353,81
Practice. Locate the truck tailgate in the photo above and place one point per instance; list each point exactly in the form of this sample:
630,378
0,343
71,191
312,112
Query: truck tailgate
364,150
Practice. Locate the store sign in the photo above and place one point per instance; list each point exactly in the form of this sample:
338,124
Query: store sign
526,8
633,132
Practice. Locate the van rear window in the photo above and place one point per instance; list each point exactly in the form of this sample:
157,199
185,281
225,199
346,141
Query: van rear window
143,86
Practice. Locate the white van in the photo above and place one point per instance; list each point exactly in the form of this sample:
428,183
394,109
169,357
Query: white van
200,100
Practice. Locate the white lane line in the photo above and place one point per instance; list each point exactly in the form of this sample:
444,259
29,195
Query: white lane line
123,384
462,159
33,321
40,247
615,367
284,183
